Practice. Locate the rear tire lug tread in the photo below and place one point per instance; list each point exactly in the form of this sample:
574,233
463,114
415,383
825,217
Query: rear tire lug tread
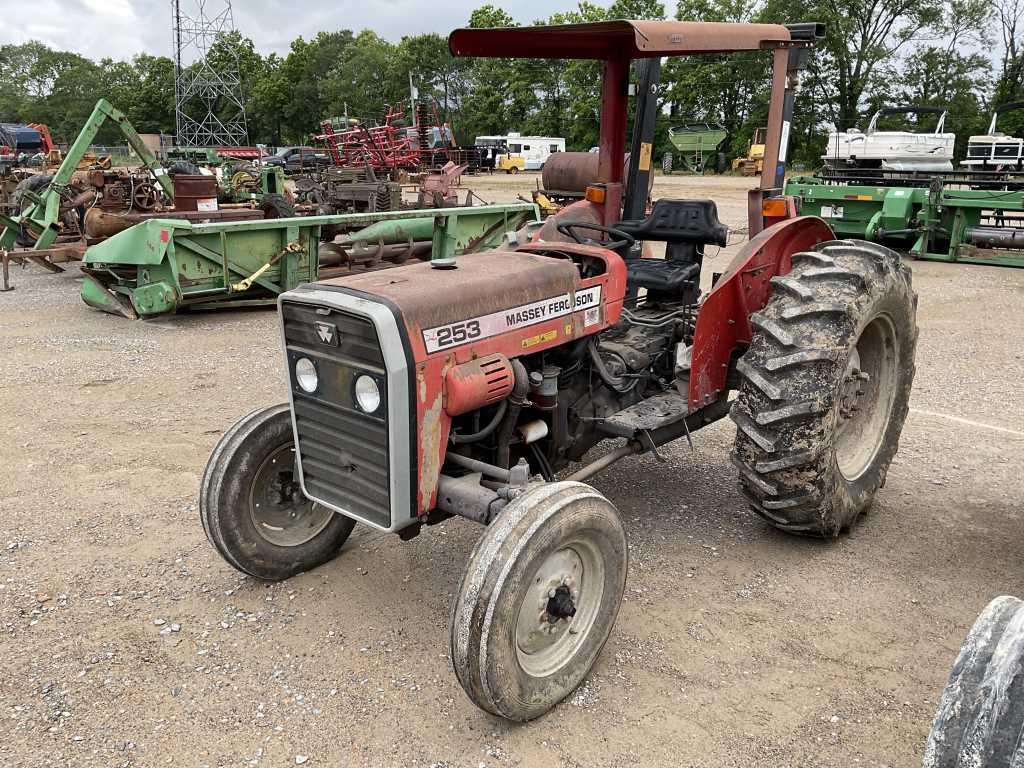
773,329
818,273
786,461
792,285
764,384
814,257
751,477
801,358
817,308
790,412
764,440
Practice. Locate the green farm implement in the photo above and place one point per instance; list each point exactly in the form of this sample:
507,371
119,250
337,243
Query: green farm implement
162,266
959,217
697,145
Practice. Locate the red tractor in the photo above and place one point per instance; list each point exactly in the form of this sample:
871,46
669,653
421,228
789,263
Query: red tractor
438,389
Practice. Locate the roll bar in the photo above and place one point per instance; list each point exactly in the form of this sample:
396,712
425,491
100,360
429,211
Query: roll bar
617,43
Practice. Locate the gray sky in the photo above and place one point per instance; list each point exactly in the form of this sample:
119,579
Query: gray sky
121,28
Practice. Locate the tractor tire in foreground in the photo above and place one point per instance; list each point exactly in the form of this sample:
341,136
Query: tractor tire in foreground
980,716
538,599
825,387
251,505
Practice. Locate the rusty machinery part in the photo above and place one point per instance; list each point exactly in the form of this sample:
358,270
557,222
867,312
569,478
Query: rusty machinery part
337,259
252,508
538,599
568,174
145,195
33,187
980,715
826,386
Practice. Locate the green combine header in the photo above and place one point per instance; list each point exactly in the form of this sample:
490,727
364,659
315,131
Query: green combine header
969,217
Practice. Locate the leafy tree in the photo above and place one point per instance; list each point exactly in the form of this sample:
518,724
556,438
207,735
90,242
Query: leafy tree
304,72
365,80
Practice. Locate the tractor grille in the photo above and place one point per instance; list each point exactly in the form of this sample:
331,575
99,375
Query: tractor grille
343,451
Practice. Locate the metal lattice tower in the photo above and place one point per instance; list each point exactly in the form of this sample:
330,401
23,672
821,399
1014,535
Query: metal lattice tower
209,110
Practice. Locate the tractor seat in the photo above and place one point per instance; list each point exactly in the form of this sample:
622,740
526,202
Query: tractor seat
685,226
660,276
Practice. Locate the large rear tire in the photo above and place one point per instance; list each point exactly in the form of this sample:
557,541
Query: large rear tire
980,717
538,599
251,506
825,387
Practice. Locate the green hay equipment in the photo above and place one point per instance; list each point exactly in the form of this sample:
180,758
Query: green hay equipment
974,218
162,265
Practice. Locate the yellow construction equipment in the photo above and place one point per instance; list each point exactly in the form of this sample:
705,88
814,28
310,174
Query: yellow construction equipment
753,163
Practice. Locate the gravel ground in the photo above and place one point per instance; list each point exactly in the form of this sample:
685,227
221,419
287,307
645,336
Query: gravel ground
126,641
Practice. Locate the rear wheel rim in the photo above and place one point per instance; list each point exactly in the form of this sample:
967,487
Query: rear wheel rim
572,577
866,396
280,513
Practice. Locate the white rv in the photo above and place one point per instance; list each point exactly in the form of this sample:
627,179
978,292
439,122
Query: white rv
521,153
893,150
996,149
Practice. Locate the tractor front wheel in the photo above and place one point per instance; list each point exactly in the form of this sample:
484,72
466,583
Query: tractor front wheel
825,387
252,508
538,599
980,715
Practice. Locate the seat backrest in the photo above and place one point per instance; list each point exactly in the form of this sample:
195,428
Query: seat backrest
680,221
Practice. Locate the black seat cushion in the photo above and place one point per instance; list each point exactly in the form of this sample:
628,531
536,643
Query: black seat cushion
679,221
660,276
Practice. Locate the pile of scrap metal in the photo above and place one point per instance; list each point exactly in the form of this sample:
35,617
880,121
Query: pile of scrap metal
361,190
52,218
346,190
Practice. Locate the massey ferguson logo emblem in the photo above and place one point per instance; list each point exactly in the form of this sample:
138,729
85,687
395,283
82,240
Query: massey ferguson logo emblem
327,333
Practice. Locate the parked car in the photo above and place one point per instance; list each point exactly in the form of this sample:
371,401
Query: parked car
294,159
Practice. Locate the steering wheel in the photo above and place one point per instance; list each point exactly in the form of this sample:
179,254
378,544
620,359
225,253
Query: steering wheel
625,240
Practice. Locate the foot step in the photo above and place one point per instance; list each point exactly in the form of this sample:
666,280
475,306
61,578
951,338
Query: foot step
647,415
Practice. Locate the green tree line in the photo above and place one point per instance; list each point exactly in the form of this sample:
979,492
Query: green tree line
967,55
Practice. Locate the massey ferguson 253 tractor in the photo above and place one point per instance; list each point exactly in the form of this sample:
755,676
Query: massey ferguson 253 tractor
465,387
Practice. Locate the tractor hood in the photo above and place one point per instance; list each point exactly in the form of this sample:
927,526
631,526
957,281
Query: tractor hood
500,291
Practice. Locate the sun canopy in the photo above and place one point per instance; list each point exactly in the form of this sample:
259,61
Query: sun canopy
616,39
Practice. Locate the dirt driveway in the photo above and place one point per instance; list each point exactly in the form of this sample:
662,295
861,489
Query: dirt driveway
126,641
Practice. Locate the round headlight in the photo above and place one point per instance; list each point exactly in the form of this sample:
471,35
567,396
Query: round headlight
305,374
367,393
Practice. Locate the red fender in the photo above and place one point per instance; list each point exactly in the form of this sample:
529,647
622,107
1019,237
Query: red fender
723,322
